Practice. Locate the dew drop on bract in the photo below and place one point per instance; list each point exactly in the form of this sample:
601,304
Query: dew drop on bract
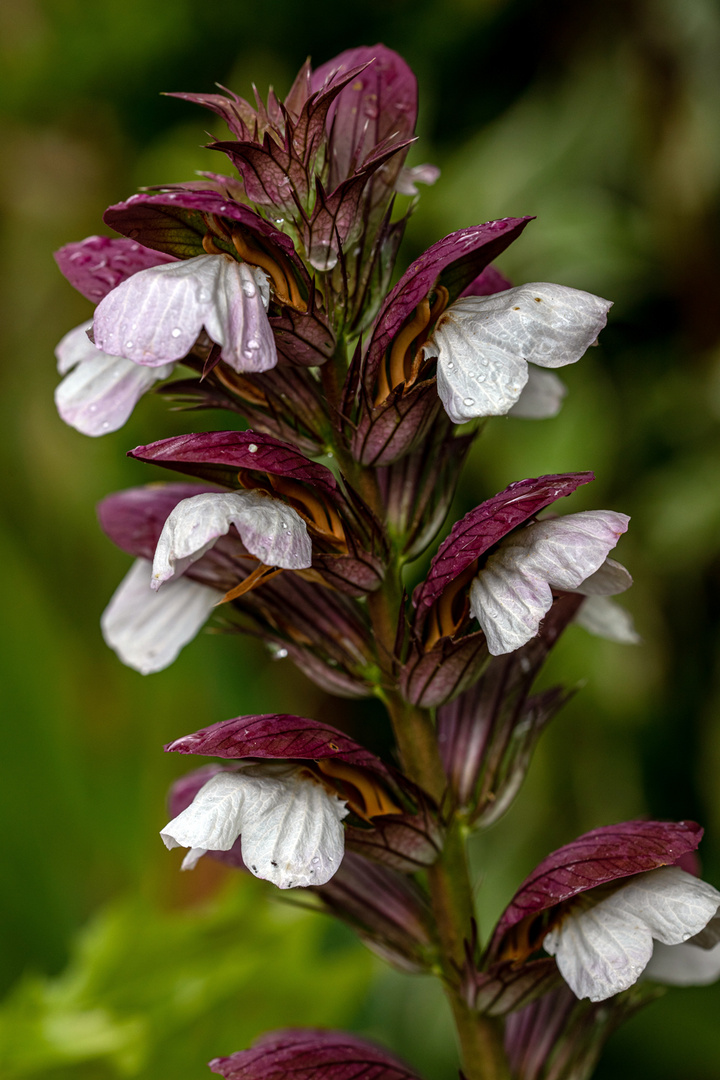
323,256
252,448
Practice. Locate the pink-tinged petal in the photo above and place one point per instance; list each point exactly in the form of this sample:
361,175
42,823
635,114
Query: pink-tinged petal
408,179
277,735
453,262
513,590
483,343
488,523
148,631
290,825
603,949
609,579
101,392
379,103
596,858
99,264
270,530
217,455
157,315
312,1055
542,396
601,616
684,965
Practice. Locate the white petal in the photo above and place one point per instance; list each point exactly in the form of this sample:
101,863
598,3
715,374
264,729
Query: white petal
292,833
271,531
542,396
684,965
603,617
155,316
148,630
409,178
237,319
101,392
604,949
291,826
512,592
483,342
213,819
608,580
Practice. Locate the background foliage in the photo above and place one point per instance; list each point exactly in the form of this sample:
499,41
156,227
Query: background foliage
603,119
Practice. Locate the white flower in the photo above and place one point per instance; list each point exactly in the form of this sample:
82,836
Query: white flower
270,530
290,825
483,343
601,616
147,630
541,397
513,591
604,948
156,315
99,391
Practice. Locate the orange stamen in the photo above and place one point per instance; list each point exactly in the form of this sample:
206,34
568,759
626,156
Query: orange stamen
375,800
320,514
260,574
240,385
277,266
403,341
445,619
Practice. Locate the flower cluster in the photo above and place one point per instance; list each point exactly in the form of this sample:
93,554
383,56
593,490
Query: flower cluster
266,294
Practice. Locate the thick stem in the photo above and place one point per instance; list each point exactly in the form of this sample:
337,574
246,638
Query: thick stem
451,896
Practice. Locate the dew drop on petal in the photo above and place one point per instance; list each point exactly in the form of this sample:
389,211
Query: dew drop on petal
284,524
128,344
468,401
105,425
450,366
253,345
248,288
176,331
481,377
252,448
203,296
280,654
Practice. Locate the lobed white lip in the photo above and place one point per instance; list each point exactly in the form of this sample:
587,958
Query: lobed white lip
155,316
513,591
604,948
483,345
289,824
270,530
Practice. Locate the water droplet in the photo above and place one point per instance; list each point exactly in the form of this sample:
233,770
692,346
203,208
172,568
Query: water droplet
92,408
279,221
128,344
253,345
491,612
315,860
203,296
323,256
222,208
176,331
284,524
106,425
468,401
483,361
252,448
280,654
450,366
481,377
248,288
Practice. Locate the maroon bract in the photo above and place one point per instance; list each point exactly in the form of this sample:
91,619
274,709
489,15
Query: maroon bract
322,1055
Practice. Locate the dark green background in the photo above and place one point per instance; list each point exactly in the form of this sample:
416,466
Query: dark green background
604,120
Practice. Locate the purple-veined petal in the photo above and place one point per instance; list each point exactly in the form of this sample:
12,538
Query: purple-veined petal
290,825
217,455
684,965
603,617
603,855
513,590
603,949
99,264
312,1055
453,262
483,343
148,630
270,530
156,315
277,735
542,396
409,178
101,392
484,526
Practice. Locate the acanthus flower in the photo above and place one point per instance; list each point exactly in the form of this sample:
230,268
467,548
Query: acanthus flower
603,903
279,813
